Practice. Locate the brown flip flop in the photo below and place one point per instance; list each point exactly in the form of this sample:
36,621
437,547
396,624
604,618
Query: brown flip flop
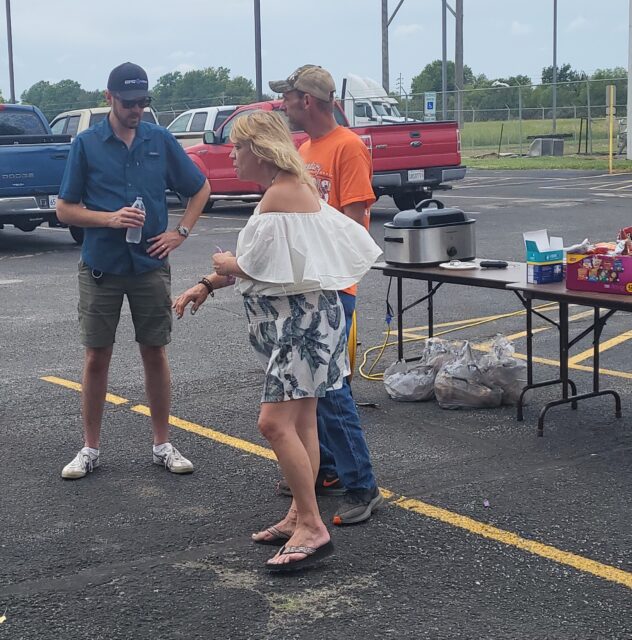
312,556
278,539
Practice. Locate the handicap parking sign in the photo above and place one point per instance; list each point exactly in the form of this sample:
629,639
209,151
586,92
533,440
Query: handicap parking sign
430,105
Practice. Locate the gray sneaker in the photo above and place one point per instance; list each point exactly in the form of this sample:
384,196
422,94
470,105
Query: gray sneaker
81,465
358,506
173,460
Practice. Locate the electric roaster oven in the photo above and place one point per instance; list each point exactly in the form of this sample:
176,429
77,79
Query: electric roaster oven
427,236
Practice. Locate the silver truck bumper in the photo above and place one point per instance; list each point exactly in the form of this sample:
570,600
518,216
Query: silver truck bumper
457,173
25,205
432,176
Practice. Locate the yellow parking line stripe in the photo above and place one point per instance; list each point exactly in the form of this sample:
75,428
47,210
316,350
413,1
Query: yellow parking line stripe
413,505
603,346
110,397
512,336
577,367
548,307
508,538
543,307
212,434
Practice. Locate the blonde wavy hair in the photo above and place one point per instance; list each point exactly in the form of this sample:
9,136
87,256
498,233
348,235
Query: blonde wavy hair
270,139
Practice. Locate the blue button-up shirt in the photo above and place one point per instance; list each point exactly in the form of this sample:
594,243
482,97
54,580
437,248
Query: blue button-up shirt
105,175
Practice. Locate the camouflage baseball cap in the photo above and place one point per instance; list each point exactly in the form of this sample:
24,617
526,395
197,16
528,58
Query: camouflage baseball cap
309,78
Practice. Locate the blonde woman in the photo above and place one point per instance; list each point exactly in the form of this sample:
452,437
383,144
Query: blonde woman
293,255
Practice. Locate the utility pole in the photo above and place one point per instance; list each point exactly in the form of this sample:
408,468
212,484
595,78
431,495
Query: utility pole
386,21
385,78
10,45
444,58
554,65
257,49
458,61
629,111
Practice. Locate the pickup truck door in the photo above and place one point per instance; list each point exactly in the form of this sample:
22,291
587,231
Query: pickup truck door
220,171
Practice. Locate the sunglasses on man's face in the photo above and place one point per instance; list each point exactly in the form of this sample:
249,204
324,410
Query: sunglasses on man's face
143,103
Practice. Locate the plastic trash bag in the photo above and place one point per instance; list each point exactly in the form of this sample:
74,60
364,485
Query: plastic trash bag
461,385
414,381
438,352
410,381
501,369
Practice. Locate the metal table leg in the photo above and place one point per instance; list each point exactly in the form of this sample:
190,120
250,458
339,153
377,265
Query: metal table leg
563,379
400,321
598,324
430,310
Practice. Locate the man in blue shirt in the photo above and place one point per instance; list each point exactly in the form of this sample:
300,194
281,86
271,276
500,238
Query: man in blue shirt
109,166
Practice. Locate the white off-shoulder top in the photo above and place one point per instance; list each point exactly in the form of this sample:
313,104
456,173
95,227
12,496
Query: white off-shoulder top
291,253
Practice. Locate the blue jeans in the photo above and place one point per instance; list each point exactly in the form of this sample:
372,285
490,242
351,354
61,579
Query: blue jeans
343,448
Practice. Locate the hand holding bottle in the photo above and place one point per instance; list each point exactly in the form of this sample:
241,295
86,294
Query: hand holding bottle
135,233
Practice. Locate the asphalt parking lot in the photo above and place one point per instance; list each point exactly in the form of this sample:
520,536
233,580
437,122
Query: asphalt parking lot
488,531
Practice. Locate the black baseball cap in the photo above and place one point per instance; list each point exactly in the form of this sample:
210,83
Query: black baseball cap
128,81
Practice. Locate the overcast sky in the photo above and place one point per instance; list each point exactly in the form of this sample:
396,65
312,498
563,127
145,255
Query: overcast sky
82,40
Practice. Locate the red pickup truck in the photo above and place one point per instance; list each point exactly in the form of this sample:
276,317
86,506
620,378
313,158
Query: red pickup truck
410,160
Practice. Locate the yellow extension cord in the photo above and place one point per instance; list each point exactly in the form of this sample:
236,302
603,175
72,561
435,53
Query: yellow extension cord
352,344
382,347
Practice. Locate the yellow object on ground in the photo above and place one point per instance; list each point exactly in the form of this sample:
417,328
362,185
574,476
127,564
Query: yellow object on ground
352,343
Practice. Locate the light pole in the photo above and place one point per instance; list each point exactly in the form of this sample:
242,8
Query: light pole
444,58
458,56
554,64
629,107
257,49
10,45
386,21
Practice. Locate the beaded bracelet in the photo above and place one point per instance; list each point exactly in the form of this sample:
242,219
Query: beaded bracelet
209,286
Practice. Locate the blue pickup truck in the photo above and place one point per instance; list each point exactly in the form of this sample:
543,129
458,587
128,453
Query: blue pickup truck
32,162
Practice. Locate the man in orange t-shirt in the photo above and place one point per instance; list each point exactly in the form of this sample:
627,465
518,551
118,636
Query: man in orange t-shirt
341,165
342,168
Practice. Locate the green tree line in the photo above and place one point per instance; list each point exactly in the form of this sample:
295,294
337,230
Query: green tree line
487,97
172,91
214,85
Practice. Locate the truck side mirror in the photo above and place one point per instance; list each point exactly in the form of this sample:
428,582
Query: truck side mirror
209,137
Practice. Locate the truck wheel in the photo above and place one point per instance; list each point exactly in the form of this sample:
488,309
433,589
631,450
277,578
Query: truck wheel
404,201
208,206
77,234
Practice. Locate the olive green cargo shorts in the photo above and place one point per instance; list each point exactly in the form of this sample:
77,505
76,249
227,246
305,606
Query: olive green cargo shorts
101,299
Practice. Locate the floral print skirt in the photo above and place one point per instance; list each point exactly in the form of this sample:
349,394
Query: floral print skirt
301,342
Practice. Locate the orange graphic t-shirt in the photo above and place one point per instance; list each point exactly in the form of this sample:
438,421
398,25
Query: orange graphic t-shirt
341,166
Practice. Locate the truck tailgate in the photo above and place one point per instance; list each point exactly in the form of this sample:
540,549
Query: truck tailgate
412,145
27,169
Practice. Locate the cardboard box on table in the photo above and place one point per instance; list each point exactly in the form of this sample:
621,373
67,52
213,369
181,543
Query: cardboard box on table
545,257
601,273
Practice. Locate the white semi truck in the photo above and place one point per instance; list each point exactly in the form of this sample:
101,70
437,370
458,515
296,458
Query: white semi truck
366,102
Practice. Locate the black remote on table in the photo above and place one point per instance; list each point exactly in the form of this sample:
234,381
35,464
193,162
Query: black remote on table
494,264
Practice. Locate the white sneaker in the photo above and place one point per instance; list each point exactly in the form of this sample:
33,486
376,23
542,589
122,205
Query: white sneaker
173,460
82,464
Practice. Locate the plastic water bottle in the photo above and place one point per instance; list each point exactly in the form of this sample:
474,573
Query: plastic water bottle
134,234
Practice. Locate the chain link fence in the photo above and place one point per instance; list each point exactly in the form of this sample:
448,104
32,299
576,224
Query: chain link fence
507,119
498,119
